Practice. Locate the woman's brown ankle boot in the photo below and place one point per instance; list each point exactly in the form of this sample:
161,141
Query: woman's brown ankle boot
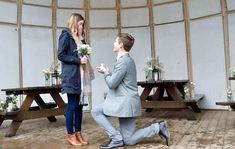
80,138
72,139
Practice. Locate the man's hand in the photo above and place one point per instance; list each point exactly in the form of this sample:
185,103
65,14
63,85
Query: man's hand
102,68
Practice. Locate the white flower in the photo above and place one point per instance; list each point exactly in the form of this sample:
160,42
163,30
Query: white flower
84,49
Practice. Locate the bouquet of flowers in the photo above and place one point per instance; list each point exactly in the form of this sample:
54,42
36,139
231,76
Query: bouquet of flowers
229,94
53,69
152,66
9,105
84,50
233,72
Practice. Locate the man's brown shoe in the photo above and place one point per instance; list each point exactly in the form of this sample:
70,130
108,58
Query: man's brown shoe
80,138
71,138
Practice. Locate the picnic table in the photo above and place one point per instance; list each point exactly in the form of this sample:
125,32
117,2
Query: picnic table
168,95
27,111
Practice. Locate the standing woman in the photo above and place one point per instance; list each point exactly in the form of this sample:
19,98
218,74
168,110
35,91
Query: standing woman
70,39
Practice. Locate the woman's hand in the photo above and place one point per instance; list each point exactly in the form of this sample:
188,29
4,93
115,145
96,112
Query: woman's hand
83,60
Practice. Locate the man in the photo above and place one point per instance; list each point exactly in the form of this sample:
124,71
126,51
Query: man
123,101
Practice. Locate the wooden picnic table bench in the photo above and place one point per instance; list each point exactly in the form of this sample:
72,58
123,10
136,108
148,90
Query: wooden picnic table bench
227,103
27,111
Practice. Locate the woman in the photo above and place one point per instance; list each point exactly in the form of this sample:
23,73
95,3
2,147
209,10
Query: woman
70,39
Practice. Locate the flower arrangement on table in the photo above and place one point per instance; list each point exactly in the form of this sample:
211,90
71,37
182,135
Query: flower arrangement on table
233,72
189,90
153,66
9,105
229,94
84,50
49,72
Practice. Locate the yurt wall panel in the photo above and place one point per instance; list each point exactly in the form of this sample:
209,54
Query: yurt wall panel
208,60
8,12
171,50
64,14
141,49
102,53
163,1
103,3
133,3
199,8
231,27
37,55
168,13
71,3
141,16
9,58
43,3
231,4
35,15
103,18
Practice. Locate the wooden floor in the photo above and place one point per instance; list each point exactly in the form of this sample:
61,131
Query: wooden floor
214,129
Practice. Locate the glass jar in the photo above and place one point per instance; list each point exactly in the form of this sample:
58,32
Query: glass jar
55,78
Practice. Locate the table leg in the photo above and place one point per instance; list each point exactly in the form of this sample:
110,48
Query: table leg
59,101
233,107
1,120
16,124
13,128
195,108
174,93
189,114
42,105
156,96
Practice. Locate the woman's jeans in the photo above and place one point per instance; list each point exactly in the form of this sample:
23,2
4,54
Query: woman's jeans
73,113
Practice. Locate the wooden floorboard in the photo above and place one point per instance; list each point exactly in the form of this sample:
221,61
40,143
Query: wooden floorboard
213,129
229,132
218,137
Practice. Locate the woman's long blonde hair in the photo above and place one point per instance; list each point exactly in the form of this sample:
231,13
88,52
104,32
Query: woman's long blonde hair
73,26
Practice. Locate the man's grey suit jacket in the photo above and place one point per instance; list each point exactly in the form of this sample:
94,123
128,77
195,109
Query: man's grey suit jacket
122,99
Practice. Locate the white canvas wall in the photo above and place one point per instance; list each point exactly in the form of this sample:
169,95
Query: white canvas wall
9,10
208,60
102,53
231,22
199,8
170,47
9,58
140,50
